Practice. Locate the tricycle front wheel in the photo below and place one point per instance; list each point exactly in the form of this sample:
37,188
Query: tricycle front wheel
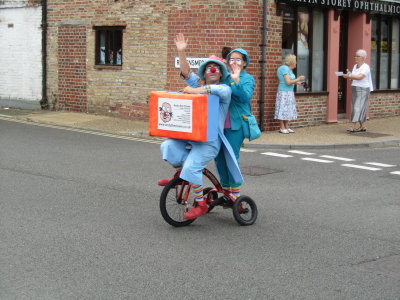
172,203
245,210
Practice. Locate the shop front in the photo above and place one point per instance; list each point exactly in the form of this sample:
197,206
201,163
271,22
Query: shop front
325,34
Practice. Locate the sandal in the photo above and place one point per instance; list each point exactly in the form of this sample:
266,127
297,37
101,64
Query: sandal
361,129
351,129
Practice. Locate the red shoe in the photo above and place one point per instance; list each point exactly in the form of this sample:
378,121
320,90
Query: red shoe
197,211
164,182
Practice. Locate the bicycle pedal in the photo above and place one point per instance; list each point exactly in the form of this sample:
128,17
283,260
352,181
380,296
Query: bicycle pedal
219,201
227,204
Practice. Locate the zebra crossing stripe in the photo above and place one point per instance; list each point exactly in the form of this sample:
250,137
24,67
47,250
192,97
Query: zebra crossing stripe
361,167
395,172
301,152
337,158
380,165
247,150
277,154
317,160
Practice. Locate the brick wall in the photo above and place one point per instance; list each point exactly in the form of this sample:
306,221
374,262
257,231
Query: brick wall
211,25
384,104
274,61
121,92
72,68
148,48
311,110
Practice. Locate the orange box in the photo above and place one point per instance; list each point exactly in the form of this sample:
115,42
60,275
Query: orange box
184,116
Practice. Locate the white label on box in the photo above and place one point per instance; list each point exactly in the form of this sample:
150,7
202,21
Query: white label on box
175,114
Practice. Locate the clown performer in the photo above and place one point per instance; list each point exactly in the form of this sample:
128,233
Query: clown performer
190,163
242,85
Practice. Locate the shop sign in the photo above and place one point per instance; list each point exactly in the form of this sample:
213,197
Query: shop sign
376,7
194,62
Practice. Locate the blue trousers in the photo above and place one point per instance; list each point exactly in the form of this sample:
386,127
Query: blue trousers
192,159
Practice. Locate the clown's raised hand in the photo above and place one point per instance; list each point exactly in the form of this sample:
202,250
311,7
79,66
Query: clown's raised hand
235,73
181,45
180,42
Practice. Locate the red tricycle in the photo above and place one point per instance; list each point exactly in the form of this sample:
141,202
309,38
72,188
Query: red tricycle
176,199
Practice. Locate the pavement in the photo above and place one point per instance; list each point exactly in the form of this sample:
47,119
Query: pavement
383,132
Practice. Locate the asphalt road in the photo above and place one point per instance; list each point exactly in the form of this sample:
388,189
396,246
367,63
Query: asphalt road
79,219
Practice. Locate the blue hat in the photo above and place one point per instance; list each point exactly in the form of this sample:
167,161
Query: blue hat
242,51
216,60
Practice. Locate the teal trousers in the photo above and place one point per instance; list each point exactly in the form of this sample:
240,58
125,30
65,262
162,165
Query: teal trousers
235,138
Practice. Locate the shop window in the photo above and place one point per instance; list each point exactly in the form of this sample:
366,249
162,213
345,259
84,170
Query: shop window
303,41
108,49
318,54
394,74
374,52
384,56
385,53
303,34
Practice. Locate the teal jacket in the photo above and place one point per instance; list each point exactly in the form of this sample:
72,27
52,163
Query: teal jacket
241,97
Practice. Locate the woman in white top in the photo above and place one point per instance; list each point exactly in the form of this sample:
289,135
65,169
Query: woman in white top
361,87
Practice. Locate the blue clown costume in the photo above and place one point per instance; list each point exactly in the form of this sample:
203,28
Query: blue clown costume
193,156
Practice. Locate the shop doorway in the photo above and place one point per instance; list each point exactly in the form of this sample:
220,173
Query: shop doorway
342,92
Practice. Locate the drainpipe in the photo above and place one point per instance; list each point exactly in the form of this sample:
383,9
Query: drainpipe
44,102
263,62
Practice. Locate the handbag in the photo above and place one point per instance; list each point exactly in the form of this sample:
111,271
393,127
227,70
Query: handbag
250,127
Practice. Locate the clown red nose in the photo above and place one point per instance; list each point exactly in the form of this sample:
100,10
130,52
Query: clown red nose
213,69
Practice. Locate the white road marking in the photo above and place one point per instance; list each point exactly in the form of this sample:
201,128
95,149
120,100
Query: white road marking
317,160
380,165
337,158
247,150
301,152
395,172
361,167
276,154
85,131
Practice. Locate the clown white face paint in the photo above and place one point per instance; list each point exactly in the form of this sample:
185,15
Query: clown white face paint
212,73
238,61
213,69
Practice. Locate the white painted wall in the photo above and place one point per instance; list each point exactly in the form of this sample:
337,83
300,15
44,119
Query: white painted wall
20,57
